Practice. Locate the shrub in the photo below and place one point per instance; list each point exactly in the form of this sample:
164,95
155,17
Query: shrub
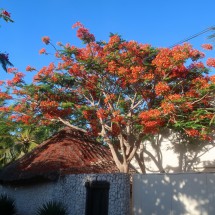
7,205
52,208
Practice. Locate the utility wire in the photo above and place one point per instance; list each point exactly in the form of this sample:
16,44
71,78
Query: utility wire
193,36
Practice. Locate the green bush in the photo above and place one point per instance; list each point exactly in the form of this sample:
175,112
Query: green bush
7,205
52,208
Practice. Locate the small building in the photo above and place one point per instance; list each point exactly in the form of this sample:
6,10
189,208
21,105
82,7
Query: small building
62,169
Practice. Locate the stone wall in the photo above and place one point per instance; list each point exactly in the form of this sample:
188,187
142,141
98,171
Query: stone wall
71,191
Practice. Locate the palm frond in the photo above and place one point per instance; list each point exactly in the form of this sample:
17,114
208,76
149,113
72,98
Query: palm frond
4,61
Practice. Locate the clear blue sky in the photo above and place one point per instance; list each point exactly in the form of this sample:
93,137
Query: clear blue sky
159,23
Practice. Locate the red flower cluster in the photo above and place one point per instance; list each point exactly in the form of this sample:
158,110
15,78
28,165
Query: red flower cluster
151,120
148,76
75,69
174,97
85,35
179,71
119,119
168,59
211,62
45,72
18,108
195,54
136,73
51,109
46,40
78,24
187,106
48,104
25,119
4,95
42,51
11,70
113,40
101,113
181,52
207,46
168,108
201,83
152,127
88,114
110,97
192,132
162,60
194,65
21,118
150,114
161,88
212,79
4,109
29,69
17,78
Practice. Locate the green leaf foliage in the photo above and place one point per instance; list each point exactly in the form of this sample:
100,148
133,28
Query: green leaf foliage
7,205
52,208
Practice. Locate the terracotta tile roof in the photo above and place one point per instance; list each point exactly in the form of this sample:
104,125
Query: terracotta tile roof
67,152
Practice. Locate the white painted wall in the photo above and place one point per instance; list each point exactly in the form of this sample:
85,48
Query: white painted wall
71,191
168,153
174,194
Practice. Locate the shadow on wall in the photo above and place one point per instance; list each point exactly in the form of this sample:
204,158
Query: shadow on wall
174,194
171,152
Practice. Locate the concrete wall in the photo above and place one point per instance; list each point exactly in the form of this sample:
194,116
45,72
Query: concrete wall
174,194
72,192
167,153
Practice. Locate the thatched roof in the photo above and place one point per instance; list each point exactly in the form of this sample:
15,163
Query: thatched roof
67,152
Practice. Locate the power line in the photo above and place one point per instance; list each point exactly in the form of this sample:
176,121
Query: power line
193,36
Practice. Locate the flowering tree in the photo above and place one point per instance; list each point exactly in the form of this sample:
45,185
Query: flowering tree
120,91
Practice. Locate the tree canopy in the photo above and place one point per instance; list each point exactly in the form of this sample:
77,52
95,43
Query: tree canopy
119,91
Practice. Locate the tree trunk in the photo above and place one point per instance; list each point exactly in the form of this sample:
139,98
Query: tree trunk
140,161
124,168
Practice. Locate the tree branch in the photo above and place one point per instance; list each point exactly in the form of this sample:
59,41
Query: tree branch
70,125
200,99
